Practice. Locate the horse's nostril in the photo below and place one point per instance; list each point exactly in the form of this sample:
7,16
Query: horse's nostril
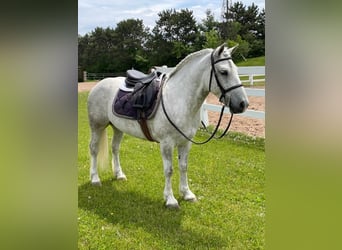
243,105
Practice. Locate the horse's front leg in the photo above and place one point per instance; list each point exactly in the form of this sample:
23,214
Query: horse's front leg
167,151
183,152
117,171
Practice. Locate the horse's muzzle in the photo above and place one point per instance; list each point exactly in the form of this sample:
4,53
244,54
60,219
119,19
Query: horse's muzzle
237,107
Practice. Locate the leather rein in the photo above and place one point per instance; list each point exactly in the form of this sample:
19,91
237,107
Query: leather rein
223,92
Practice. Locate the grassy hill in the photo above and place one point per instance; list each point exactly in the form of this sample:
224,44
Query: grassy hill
256,61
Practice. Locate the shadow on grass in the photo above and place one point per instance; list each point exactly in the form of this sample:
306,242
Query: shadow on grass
134,210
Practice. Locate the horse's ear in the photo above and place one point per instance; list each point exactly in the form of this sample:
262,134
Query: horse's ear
233,49
220,49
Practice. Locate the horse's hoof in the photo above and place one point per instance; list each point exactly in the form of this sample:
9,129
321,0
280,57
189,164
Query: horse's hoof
96,183
173,206
121,177
193,199
189,196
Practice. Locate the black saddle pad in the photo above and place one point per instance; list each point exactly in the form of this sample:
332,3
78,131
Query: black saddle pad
124,104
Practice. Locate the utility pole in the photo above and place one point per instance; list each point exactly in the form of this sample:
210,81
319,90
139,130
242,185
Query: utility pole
226,4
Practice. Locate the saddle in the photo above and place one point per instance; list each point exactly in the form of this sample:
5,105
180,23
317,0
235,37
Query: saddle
135,76
139,98
145,89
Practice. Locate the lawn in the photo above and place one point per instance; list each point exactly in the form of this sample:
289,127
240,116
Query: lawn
226,175
255,61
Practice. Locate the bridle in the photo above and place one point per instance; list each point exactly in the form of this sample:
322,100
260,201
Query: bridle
223,93
213,72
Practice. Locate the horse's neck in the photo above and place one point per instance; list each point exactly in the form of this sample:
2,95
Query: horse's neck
188,86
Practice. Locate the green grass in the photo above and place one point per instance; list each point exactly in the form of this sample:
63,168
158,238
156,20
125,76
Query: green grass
256,61
226,175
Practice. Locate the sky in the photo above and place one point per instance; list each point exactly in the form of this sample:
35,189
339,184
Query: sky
107,13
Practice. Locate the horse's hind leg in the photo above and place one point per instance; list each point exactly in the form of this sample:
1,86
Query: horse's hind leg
183,152
117,171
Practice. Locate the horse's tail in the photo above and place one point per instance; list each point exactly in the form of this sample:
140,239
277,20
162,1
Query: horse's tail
102,155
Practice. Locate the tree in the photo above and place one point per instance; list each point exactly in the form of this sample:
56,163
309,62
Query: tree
82,51
247,22
131,37
174,36
242,50
95,50
114,50
213,39
209,23
260,28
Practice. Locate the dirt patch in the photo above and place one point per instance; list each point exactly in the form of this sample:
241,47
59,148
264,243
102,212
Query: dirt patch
249,126
85,86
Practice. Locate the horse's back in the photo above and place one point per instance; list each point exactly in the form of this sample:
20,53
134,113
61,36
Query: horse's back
99,98
107,85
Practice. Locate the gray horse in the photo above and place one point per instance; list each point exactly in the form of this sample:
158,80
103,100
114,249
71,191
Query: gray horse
184,90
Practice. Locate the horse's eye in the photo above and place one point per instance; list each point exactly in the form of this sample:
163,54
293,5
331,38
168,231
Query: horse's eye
224,72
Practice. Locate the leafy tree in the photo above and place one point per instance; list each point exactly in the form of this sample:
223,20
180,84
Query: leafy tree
213,39
209,23
83,46
131,37
114,50
260,28
234,19
247,22
174,36
258,44
242,50
230,30
95,50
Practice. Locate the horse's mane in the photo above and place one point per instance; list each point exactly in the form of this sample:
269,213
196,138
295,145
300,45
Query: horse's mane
187,59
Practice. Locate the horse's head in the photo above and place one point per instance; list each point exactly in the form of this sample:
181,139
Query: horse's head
225,82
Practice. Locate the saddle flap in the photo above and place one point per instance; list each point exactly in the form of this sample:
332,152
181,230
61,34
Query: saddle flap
144,95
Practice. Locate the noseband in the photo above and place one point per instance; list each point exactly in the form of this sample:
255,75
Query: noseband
213,72
223,92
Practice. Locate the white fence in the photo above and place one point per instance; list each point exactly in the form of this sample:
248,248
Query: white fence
243,71
100,76
251,72
248,113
